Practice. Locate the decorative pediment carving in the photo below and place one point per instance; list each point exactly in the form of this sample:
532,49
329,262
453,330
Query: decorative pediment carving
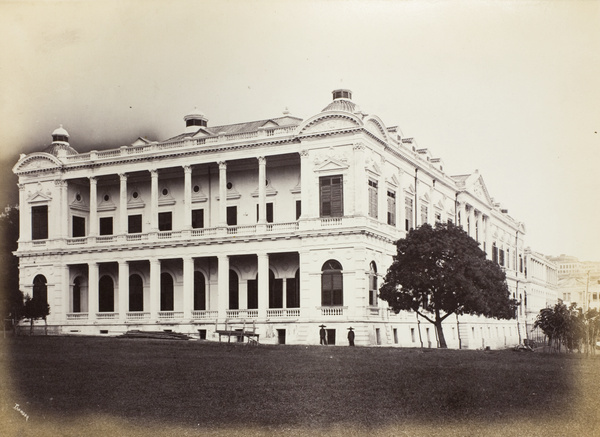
329,123
106,204
410,190
270,191
135,199
36,162
393,181
198,194
39,197
78,203
330,165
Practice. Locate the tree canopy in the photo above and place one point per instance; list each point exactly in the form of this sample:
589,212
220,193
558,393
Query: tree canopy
442,271
11,298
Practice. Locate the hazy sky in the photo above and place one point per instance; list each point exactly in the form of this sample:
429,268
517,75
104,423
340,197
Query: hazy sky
509,88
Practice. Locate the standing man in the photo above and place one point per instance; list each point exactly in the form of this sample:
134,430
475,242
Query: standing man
351,336
323,335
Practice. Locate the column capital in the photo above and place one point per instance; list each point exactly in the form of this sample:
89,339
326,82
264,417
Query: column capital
304,153
123,262
262,160
61,183
187,169
93,179
153,173
123,177
222,165
21,187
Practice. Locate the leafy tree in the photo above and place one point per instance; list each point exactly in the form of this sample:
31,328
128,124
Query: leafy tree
442,271
11,298
35,308
564,326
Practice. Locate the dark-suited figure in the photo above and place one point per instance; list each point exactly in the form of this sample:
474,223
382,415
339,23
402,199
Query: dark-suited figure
323,335
351,337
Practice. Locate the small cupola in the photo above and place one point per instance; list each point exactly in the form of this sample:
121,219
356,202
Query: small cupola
60,146
342,101
195,120
60,135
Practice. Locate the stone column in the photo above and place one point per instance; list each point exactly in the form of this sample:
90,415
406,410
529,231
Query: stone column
479,228
123,290
305,182
123,204
63,216
154,288
93,273
431,210
187,196
93,206
154,201
360,184
263,284
262,190
24,215
188,287
223,194
400,201
471,221
66,292
223,286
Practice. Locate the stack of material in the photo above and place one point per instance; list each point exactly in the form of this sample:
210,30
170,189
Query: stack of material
162,335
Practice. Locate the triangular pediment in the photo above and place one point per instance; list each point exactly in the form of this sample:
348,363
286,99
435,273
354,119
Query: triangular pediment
141,142
202,133
39,197
410,190
269,191
373,168
331,164
270,123
393,181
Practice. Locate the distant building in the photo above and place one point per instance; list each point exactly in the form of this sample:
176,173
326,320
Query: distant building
578,281
541,288
284,224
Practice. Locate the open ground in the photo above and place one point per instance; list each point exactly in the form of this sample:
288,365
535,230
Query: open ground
109,386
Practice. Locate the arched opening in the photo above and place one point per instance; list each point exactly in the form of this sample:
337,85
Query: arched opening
77,295
199,292
106,294
234,295
40,289
166,292
275,291
136,293
372,284
332,293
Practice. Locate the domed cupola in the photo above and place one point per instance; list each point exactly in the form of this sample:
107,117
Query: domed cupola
195,120
342,101
60,143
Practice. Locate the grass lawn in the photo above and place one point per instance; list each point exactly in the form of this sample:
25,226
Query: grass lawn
108,386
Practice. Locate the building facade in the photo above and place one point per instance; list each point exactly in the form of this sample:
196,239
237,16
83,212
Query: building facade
284,224
578,282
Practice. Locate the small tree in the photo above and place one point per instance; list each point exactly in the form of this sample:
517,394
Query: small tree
36,309
442,271
564,326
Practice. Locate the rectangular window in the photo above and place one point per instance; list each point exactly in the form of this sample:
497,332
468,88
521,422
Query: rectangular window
412,335
298,209
373,198
331,196
438,217
391,208
408,214
269,212
331,290
252,294
501,257
78,227
232,216
134,224
39,222
197,218
106,225
494,253
165,221
424,214
292,293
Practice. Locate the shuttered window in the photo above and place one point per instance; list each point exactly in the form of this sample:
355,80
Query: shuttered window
373,198
391,208
331,284
39,222
331,196
408,214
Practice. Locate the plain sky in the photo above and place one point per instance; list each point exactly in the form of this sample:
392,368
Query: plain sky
509,88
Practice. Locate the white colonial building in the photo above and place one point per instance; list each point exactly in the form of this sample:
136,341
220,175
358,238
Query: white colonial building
282,224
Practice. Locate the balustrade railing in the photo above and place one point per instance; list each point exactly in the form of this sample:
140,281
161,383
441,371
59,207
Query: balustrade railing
242,314
170,314
107,316
106,239
77,316
333,311
283,312
138,315
75,241
204,314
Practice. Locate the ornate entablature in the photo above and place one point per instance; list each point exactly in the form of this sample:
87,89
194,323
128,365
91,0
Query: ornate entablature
37,162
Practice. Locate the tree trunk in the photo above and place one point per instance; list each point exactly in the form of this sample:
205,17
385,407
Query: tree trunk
31,326
440,332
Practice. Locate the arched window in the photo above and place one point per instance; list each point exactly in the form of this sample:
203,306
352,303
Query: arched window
106,294
293,291
166,292
136,293
77,295
234,295
275,291
372,284
332,293
40,289
199,292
